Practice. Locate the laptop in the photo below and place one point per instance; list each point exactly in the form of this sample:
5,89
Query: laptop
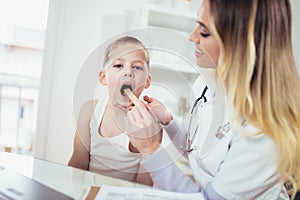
14,186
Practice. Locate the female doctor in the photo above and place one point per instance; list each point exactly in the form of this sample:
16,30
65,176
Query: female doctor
256,148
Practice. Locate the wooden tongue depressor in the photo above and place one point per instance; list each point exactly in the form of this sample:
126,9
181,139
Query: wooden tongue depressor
131,96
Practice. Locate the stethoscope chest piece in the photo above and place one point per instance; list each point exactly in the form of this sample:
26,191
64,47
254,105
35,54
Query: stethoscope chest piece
223,130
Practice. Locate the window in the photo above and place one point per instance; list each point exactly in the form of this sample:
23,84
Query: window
22,30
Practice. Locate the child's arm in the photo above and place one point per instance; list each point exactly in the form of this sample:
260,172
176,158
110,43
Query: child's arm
80,155
81,149
143,177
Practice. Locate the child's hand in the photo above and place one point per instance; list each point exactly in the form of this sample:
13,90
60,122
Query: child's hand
158,110
145,132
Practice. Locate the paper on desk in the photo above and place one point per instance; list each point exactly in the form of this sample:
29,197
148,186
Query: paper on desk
128,193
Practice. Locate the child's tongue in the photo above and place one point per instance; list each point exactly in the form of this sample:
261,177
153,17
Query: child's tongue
125,87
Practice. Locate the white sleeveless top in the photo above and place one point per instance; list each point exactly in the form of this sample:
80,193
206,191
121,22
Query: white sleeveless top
111,156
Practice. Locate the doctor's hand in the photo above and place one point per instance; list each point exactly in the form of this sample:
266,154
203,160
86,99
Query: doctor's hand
145,132
158,110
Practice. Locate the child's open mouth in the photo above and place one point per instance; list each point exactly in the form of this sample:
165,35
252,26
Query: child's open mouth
125,87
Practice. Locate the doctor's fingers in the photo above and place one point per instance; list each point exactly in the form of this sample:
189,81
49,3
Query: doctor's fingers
145,125
141,109
141,117
154,105
148,99
152,102
138,129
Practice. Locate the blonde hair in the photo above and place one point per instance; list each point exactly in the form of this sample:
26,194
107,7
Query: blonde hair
123,40
258,68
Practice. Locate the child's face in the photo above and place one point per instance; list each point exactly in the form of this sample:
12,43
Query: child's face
127,67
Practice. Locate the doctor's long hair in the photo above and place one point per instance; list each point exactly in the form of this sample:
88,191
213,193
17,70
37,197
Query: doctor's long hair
258,69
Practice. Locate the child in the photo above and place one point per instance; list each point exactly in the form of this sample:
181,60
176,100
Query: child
101,142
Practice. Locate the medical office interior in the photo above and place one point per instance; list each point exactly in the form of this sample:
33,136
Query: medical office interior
43,45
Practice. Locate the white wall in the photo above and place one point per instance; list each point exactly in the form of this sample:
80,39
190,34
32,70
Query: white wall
296,31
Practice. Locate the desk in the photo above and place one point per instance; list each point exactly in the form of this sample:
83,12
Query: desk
67,180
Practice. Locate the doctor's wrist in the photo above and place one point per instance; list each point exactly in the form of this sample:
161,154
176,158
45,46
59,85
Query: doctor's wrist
149,151
168,119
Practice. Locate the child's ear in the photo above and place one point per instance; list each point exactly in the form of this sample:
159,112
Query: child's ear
102,78
148,81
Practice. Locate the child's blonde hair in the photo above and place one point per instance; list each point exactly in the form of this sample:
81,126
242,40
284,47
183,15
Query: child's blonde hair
123,40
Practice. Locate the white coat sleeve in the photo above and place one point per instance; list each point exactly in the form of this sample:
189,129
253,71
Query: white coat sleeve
167,176
176,134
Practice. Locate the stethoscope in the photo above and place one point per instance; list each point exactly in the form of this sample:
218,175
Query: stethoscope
221,131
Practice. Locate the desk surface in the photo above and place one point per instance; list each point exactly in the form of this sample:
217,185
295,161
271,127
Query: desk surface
67,180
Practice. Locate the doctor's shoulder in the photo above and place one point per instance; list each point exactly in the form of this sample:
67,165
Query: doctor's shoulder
253,137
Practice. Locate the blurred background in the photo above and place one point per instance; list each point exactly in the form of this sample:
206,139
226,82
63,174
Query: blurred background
43,45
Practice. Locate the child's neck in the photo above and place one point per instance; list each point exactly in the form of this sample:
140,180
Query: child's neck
114,121
117,111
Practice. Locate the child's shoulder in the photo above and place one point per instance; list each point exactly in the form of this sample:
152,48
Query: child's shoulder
90,103
88,106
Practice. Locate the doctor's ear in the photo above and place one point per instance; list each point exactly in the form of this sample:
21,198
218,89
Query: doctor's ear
148,81
102,78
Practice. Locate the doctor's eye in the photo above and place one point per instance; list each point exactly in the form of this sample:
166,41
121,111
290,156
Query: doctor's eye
204,34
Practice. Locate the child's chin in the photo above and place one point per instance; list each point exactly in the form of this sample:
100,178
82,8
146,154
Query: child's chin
124,105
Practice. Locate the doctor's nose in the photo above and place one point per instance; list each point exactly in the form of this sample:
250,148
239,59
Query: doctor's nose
195,35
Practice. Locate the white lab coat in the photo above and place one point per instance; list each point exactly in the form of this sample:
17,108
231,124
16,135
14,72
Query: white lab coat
237,166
